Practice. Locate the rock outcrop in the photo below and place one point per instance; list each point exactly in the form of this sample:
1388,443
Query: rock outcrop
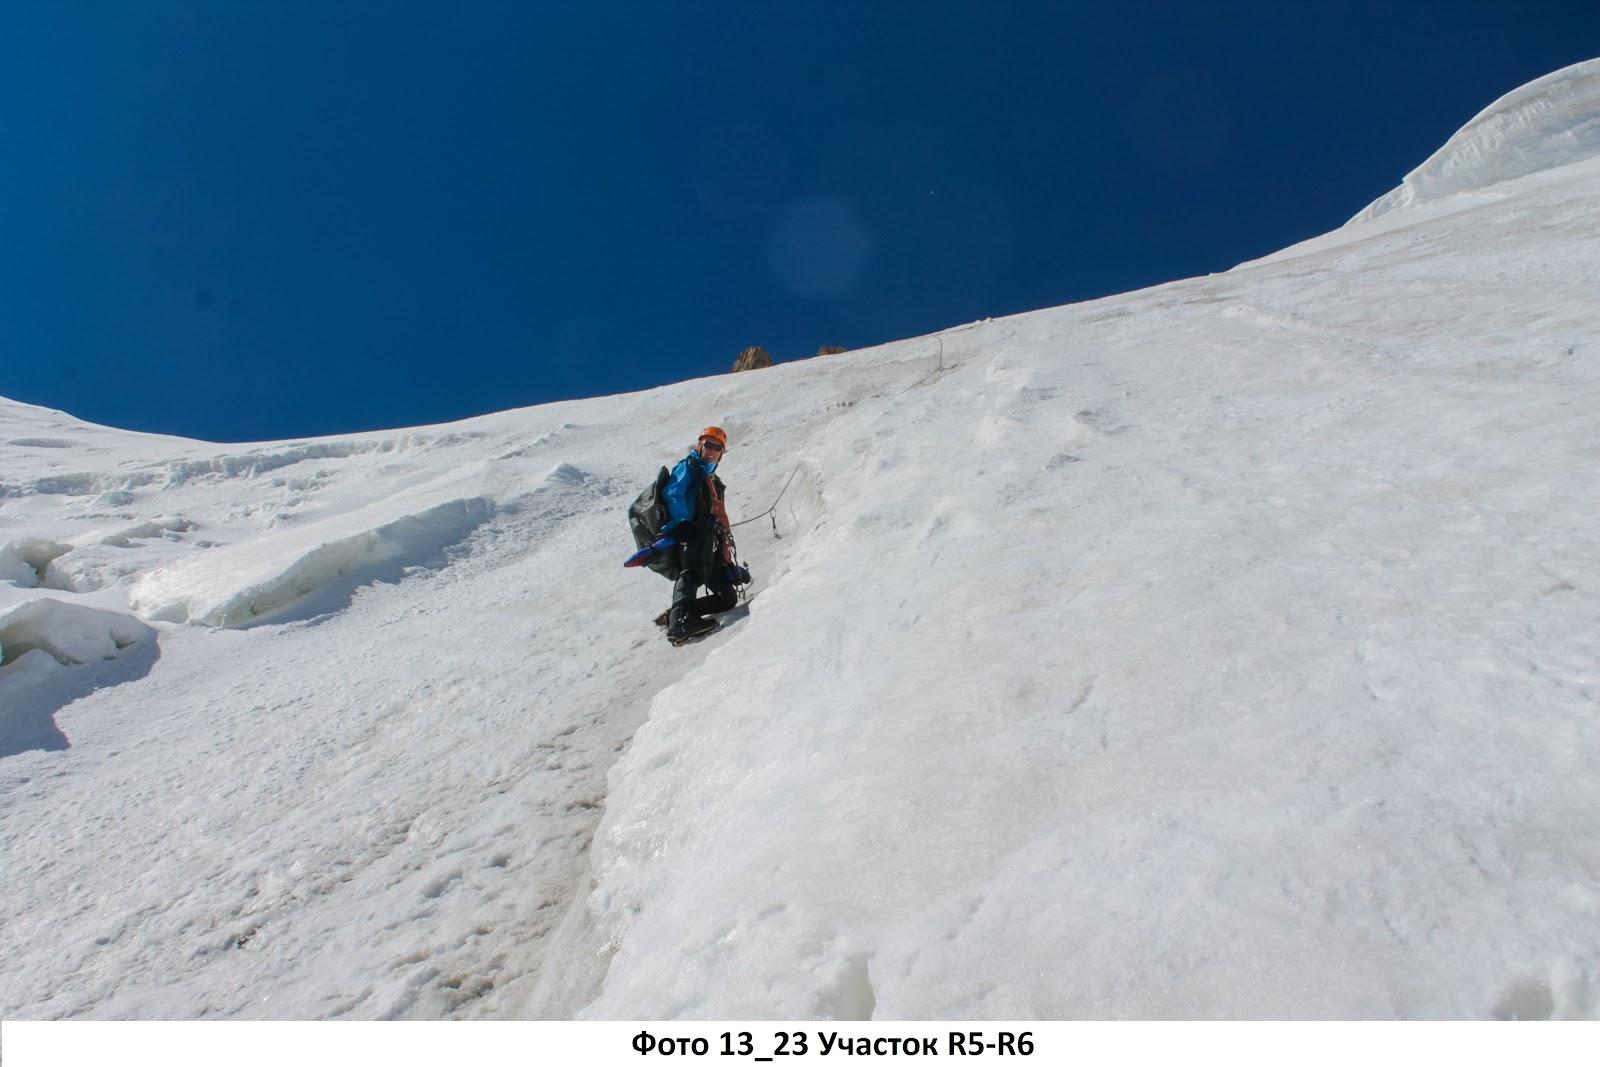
753,358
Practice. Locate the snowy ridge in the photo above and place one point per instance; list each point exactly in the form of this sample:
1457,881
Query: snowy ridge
246,582
1548,123
1225,649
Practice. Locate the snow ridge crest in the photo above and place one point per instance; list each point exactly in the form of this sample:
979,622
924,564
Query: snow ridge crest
1550,122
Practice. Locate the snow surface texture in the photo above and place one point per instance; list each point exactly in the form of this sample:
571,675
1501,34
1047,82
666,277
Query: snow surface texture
1226,649
1545,124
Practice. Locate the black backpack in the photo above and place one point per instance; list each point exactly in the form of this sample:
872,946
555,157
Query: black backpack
646,516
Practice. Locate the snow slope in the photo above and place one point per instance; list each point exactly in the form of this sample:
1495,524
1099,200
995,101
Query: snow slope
1225,649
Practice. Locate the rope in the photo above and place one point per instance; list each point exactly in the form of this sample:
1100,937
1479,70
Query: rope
774,506
931,374
744,594
770,511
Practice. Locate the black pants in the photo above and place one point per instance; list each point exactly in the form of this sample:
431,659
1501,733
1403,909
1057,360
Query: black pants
685,605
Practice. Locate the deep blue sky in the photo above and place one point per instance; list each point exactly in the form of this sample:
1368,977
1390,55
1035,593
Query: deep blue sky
248,220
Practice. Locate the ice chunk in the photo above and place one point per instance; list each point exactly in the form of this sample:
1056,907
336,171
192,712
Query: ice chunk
160,527
25,562
13,569
70,633
565,474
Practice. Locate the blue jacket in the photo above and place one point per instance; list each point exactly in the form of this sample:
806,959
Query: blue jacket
684,490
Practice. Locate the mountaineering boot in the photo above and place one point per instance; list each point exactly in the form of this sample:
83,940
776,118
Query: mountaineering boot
689,629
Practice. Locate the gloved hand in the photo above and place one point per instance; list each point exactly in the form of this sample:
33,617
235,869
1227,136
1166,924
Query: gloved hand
639,558
736,574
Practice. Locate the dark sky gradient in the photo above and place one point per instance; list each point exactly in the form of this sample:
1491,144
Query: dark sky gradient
240,221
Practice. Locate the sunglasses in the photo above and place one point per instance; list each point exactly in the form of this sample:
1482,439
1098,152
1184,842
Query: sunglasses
711,444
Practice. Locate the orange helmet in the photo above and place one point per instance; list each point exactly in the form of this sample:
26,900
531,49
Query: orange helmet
716,434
